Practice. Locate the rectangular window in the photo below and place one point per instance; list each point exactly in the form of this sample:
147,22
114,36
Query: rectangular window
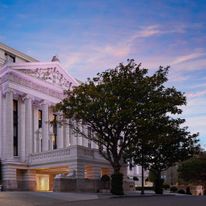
40,118
15,127
54,139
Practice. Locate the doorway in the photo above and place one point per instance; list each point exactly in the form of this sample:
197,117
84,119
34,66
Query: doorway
42,182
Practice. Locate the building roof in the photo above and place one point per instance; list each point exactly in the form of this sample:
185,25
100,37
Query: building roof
17,53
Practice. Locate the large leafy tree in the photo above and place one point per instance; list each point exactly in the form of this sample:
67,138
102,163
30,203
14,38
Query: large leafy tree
193,170
162,140
117,105
171,145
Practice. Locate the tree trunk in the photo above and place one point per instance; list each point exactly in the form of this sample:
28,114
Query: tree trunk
117,181
142,189
158,183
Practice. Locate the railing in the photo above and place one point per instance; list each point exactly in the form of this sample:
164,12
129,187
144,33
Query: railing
50,156
63,155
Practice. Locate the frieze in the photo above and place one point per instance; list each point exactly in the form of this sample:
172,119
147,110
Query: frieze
19,80
51,75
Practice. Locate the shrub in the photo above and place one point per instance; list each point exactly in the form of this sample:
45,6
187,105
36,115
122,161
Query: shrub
139,188
188,192
105,178
158,185
117,184
173,189
166,186
135,178
181,191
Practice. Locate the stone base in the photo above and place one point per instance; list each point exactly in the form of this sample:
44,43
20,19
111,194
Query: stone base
26,185
76,185
129,186
86,185
10,185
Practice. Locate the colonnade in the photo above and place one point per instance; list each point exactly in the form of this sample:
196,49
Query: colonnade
32,139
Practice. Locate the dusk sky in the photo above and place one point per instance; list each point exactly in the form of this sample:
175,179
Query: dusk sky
92,36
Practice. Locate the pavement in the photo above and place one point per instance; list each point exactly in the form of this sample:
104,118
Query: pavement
93,199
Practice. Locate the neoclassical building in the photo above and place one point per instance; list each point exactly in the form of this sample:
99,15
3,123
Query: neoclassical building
34,152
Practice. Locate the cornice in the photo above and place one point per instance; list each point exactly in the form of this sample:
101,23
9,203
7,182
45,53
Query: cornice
15,78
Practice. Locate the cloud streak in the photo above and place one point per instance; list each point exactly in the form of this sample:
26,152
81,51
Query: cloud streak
188,57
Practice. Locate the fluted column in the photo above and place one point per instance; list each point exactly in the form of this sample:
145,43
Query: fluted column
28,125
84,140
35,125
21,130
66,134
8,135
60,141
71,134
45,127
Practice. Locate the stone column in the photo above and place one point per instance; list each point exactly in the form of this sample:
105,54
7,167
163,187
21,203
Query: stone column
71,134
45,127
84,140
29,178
28,125
60,141
9,177
96,172
66,134
21,130
77,169
8,135
35,125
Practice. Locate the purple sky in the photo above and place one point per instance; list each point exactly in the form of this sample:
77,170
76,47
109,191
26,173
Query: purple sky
92,36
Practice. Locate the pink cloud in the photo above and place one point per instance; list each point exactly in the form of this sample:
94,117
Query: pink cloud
196,94
188,57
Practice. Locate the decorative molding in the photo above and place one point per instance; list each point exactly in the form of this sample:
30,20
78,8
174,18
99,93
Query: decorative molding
24,82
50,74
6,89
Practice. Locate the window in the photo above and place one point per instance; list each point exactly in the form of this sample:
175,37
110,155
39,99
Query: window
15,127
54,138
40,118
10,58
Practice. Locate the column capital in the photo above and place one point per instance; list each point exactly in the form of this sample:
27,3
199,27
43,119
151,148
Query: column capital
7,90
27,96
45,102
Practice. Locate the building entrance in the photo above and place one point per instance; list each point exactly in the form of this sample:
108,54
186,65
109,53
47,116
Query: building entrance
42,182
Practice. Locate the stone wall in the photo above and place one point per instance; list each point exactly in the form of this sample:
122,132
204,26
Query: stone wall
76,185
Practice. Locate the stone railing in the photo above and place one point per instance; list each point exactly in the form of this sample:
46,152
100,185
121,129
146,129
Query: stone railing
64,155
52,156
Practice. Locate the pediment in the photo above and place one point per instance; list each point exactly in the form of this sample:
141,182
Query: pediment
51,72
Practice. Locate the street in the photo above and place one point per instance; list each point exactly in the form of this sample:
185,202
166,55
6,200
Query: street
83,199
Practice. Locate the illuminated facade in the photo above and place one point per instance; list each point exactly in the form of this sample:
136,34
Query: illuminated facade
34,152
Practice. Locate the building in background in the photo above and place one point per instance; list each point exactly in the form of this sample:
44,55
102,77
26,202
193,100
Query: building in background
33,151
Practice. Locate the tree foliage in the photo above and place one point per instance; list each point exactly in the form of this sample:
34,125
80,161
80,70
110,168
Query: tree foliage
193,170
126,109
160,139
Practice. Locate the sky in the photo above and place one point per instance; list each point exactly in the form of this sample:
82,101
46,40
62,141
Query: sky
90,36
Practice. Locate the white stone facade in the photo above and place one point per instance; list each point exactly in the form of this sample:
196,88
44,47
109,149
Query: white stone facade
33,151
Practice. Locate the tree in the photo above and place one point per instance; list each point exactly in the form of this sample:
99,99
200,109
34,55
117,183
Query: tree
163,141
111,104
172,144
117,105
193,170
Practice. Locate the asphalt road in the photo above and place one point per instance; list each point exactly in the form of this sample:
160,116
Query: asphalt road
78,199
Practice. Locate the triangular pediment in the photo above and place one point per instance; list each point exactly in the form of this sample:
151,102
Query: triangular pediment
50,72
